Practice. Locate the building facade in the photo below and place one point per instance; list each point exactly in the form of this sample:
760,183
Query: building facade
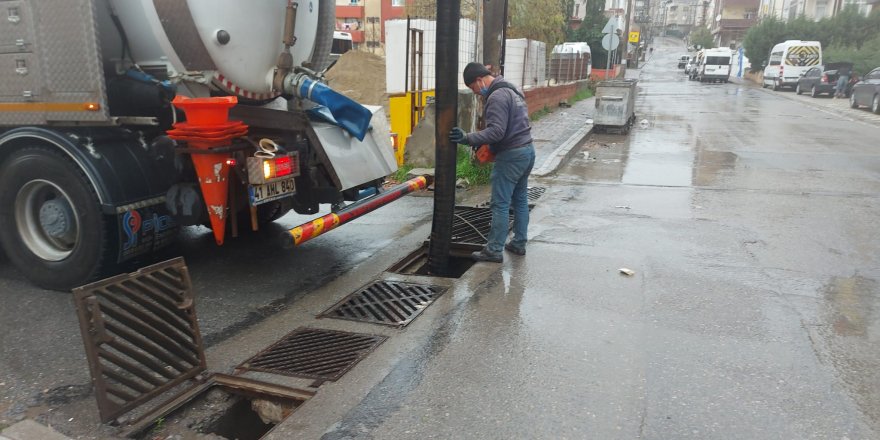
365,19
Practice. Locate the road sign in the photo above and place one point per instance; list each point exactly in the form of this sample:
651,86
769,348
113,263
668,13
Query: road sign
610,42
611,26
634,37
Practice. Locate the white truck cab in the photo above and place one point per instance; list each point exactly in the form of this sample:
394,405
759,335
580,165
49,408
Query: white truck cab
788,60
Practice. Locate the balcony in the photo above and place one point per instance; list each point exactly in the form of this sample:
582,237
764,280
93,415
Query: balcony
730,24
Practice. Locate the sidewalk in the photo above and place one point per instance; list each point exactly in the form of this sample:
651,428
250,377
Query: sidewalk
557,134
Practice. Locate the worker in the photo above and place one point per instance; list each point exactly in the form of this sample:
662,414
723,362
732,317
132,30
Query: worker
509,135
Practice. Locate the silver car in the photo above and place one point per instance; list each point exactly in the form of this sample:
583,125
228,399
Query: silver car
867,92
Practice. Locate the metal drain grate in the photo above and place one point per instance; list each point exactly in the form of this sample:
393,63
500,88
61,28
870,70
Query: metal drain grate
385,302
535,193
470,226
141,335
314,353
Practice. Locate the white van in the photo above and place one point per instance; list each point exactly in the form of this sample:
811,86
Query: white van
714,65
790,59
342,43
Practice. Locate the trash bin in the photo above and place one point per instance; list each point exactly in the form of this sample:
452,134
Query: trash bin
615,105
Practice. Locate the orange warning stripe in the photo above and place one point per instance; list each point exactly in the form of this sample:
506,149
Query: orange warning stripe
49,106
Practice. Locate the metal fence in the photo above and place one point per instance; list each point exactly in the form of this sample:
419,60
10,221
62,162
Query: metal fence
414,40
567,67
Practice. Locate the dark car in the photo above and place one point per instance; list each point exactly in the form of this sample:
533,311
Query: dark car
867,91
820,80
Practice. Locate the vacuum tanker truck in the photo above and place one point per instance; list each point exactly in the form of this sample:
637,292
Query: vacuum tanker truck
122,121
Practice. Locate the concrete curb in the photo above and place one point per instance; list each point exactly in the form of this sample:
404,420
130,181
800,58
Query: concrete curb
562,153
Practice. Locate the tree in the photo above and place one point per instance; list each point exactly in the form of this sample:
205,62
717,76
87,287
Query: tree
864,58
590,32
847,33
541,20
702,38
761,38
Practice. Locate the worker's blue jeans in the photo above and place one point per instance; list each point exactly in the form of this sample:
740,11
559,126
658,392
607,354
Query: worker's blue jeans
510,178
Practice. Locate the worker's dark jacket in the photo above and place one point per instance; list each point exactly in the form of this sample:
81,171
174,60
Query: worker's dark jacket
507,119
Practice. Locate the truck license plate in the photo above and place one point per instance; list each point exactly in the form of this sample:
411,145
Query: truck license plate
271,191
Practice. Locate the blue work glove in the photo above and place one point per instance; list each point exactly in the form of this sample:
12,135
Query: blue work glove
457,135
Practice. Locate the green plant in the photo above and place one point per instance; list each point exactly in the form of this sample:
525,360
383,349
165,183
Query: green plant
468,169
846,35
702,38
158,426
402,171
580,95
864,59
539,114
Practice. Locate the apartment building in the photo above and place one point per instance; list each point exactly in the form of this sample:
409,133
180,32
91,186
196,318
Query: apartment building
365,19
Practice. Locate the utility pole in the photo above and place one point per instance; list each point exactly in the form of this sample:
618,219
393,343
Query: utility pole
624,39
494,23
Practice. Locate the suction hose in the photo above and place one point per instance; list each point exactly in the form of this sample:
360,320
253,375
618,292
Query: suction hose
350,115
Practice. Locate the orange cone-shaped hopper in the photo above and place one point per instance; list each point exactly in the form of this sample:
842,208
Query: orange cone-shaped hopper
212,169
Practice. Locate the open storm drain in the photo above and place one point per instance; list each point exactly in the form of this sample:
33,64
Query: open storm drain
141,335
314,353
148,365
385,302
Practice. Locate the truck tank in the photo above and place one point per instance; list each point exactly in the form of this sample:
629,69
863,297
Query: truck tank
93,178
230,45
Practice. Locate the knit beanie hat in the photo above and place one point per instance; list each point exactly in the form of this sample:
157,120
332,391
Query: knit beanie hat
473,71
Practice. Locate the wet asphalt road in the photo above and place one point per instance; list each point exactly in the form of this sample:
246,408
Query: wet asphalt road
749,218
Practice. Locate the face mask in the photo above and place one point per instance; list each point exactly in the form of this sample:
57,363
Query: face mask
483,89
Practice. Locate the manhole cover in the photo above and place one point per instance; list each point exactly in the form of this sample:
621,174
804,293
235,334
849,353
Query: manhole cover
141,335
385,302
314,353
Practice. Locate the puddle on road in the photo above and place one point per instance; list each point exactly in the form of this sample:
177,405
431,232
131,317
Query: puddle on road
848,339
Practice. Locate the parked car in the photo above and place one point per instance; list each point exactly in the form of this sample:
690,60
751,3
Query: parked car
867,91
819,80
682,61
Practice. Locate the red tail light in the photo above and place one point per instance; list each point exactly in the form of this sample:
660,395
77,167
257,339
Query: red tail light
825,79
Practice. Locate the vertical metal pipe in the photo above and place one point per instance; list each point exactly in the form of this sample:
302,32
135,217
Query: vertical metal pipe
446,62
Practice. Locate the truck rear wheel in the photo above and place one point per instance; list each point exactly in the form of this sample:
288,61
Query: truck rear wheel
51,225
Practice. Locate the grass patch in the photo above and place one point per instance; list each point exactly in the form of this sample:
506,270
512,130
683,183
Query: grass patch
402,171
539,114
470,170
581,95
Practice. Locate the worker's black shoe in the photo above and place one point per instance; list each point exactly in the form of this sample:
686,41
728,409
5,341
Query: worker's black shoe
485,255
515,249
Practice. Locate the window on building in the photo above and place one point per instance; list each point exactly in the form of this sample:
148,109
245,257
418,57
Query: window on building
398,2
577,11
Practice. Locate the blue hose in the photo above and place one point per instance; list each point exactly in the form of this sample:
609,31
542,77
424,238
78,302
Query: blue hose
349,115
